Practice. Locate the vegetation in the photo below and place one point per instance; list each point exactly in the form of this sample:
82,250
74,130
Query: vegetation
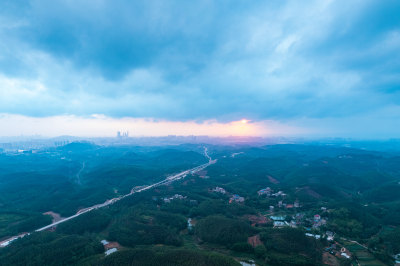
353,191
92,222
221,230
49,249
183,257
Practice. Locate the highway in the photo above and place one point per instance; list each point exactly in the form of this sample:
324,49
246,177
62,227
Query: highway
166,181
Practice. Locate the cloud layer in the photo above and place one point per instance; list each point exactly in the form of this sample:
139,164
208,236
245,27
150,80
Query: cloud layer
195,61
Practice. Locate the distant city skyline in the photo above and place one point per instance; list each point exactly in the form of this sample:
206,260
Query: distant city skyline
321,68
101,126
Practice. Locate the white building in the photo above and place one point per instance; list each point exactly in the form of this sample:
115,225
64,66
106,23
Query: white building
280,224
397,258
219,190
330,235
265,191
277,218
312,235
190,225
110,251
345,255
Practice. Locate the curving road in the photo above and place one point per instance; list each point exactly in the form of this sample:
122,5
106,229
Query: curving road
168,180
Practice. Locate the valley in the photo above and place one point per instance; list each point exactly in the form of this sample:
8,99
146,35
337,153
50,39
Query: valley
269,205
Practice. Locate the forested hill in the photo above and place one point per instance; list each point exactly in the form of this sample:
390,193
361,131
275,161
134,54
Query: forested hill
262,205
79,175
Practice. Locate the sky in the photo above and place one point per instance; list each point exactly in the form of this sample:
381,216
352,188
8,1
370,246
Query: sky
318,68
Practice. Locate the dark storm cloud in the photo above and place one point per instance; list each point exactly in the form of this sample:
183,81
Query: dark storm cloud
200,60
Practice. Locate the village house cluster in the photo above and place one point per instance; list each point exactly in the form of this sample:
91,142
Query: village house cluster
279,221
233,198
311,221
282,204
174,197
265,191
236,198
338,251
177,197
219,190
318,221
269,192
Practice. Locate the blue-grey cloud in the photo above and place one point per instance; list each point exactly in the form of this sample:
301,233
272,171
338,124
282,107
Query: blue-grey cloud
279,60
